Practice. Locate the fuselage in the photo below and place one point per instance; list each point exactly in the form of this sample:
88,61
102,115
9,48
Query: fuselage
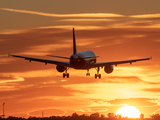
83,59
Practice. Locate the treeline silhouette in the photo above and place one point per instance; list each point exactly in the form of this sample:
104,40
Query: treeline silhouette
94,116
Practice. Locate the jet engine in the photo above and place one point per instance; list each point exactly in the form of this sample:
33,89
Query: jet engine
60,68
108,69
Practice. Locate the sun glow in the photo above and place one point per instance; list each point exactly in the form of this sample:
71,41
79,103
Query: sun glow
128,111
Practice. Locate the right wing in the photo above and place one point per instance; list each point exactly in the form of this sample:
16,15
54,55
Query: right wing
101,64
46,61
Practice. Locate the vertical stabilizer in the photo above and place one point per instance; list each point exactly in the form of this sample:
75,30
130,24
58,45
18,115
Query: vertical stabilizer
74,43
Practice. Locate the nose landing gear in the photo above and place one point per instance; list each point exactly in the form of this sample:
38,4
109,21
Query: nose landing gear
88,74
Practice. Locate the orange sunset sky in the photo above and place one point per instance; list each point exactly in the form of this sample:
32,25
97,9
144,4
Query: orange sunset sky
114,29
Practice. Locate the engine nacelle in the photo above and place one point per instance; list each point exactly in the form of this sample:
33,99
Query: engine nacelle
60,68
108,69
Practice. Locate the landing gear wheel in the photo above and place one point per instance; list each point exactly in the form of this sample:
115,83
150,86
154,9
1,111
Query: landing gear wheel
67,75
88,74
64,75
95,76
99,76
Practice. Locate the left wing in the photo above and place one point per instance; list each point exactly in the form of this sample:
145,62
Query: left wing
101,64
62,63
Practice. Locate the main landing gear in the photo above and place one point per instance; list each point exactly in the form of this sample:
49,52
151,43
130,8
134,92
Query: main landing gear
98,75
87,74
66,74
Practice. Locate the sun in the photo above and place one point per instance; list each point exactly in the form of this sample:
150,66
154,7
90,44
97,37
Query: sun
128,111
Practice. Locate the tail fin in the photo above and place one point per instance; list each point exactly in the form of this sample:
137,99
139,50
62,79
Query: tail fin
74,43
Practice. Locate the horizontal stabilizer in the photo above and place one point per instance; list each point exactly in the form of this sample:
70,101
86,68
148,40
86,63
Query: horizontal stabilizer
58,56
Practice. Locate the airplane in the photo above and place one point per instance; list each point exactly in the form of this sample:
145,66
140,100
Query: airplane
83,60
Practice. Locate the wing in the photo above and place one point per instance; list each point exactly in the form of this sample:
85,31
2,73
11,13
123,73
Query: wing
62,63
101,64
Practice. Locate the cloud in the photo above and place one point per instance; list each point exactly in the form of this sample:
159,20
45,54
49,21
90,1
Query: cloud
145,105
39,94
124,80
134,102
91,110
142,23
42,97
44,87
34,73
156,112
153,90
45,49
146,16
4,59
9,82
86,20
47,112
6,80
98,15
34,87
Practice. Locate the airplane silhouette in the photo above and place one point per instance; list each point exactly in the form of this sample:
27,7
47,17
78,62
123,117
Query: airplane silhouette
83,60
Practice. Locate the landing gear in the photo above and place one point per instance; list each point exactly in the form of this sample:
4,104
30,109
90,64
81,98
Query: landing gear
98,75
87,74
66,74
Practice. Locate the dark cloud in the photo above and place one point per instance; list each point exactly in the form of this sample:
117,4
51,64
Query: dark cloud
24,41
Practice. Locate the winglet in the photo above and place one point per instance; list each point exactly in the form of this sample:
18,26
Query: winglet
74,43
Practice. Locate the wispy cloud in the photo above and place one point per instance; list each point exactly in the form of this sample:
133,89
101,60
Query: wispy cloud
32,74
134,101
7,81
154,90
48,112
146,16
9,78
99,15
88,20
